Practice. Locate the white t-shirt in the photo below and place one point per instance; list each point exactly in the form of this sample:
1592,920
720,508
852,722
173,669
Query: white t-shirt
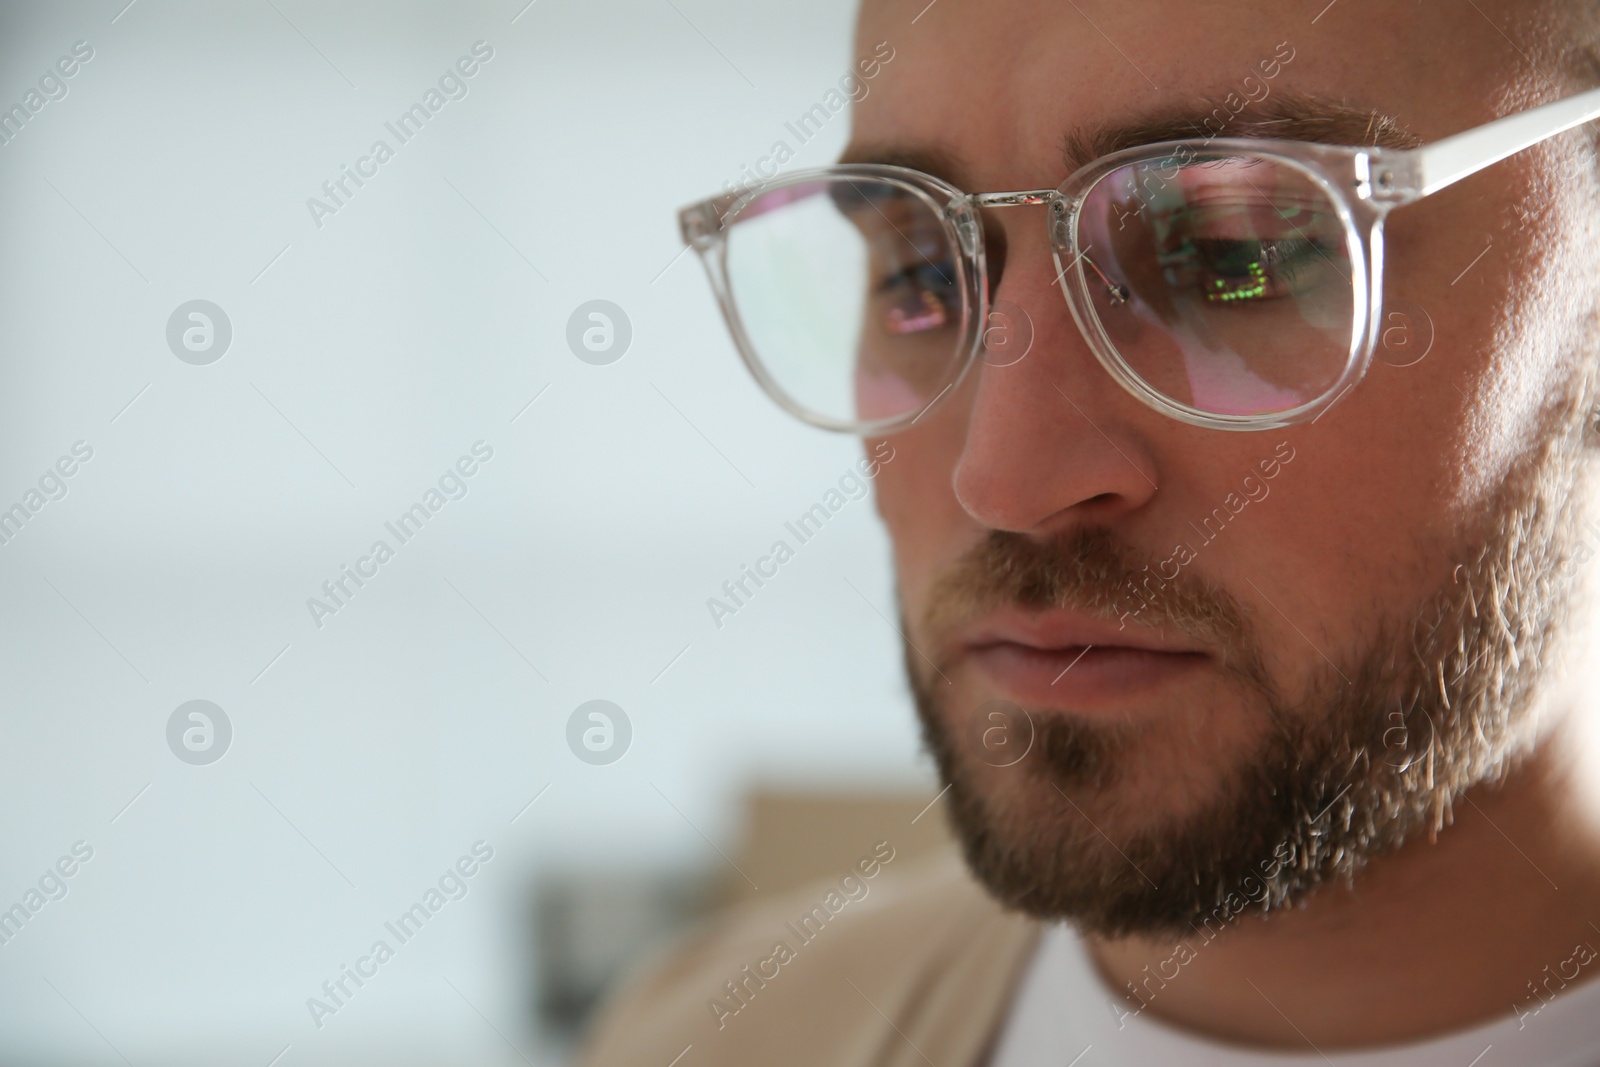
1063,1009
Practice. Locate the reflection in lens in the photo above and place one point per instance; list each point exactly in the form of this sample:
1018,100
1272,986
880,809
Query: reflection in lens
850,293
1224,282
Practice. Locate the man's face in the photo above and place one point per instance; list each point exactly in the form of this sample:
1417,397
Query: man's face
1338,631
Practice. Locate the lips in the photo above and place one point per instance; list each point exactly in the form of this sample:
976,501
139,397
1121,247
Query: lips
1071,661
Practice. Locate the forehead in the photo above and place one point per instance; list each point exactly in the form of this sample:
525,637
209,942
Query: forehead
1012,93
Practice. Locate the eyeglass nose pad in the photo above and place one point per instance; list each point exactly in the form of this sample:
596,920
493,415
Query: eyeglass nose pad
1060,225
969,227
1117,292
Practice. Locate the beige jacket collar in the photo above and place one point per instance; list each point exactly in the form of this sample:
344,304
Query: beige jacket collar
918,973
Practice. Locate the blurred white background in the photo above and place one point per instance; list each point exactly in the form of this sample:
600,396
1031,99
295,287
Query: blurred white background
367,355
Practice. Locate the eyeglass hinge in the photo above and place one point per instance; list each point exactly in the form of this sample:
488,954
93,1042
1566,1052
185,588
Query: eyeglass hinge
968,229
1385,178
701,224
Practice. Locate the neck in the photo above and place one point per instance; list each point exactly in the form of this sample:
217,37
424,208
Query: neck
1478,924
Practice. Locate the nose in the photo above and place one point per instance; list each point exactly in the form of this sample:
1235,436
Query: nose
1052,441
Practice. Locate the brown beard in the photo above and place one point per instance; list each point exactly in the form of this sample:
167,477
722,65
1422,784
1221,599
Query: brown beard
1377,750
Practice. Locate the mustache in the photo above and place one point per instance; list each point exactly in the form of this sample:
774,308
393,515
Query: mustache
1087,570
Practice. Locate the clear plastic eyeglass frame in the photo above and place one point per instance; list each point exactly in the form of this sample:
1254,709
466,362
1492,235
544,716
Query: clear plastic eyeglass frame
1363,183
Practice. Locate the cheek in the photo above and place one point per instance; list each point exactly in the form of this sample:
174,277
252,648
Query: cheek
1392,484
905,490
1504,298
926,526
1534,311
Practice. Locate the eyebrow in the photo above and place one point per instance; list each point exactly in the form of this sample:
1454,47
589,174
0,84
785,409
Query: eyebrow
1283,116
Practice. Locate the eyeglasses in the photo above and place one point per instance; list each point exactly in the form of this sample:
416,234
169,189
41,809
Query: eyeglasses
1228,283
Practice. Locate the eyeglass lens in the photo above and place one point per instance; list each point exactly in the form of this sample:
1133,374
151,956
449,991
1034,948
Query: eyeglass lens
1224,282
851,295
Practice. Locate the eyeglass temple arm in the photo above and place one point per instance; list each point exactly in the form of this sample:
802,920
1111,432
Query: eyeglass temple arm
1448,161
